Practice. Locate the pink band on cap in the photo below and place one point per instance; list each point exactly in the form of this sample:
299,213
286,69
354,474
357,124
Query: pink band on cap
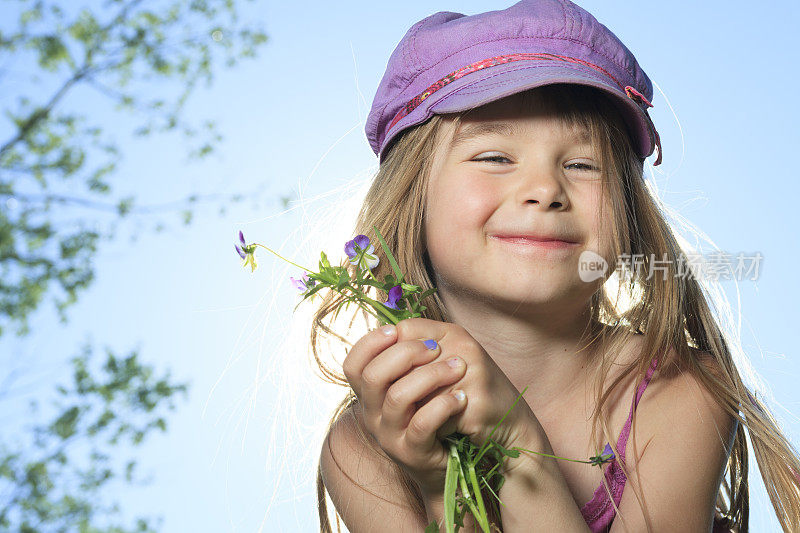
490,62
631,92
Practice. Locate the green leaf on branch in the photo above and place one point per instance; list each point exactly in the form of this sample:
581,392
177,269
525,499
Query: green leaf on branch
65,425
507,453
388,252
121,54
61,477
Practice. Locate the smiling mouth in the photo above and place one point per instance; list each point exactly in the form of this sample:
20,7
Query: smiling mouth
536,241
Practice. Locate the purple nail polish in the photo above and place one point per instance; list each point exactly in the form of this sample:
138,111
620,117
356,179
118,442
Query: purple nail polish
430,344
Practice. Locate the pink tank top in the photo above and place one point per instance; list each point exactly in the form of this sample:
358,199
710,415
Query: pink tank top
598,512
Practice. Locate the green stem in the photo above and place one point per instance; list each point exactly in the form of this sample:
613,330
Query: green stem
451,479
280,256
493,492
369,311
486,444
553,456
483,520
378,306
372,275
462,481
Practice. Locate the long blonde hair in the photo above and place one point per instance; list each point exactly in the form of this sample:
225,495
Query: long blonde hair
670,311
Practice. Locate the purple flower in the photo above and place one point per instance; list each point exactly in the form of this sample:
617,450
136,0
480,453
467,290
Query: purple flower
241,252
351,248
395,293
304,283
605,456
246,252
608,453
359,250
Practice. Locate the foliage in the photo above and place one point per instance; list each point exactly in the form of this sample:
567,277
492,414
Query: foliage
56,482
91,70
122,53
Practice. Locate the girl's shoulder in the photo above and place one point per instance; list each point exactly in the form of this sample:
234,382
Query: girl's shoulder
672,372
676,397
680,440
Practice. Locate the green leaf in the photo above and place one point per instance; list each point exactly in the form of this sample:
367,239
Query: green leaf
124,206
29,15
450,481
389,255
426,293
504,451
432,528
377,284
52,51
460,517
313,290
65,425
85,29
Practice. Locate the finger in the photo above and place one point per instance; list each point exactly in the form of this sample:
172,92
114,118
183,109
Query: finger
432,420
403,395
389,366
421,328
363,351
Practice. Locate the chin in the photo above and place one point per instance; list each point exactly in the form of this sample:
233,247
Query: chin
537,301
540,295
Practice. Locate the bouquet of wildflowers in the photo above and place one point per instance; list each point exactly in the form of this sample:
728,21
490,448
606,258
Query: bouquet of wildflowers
469,467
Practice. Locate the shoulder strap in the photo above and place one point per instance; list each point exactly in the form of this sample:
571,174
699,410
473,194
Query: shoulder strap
623,436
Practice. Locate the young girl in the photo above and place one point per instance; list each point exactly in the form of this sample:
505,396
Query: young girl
512,145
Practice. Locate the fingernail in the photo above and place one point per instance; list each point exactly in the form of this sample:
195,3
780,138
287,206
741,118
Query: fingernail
388,330
430,344
459,395
455,362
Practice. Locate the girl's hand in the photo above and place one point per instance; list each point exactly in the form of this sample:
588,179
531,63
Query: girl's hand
405,392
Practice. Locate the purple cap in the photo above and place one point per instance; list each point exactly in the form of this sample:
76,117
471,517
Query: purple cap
450,62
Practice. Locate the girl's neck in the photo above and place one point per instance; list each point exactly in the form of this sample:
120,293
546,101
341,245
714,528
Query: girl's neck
547,351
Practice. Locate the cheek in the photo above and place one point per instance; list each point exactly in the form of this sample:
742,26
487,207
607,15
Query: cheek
457,204
461,205
456,211
598,217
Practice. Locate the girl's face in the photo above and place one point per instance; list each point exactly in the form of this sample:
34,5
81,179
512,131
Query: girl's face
512,203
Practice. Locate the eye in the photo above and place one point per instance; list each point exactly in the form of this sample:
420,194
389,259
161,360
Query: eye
583,166
493,158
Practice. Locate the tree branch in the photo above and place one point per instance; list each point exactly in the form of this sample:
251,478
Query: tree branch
42,113
106,206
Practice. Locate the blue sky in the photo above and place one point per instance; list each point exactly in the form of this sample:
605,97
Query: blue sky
293,122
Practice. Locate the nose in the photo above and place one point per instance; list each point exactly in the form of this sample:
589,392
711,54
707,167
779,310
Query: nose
542,187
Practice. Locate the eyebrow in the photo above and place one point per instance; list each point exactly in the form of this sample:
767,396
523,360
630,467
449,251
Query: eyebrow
476,129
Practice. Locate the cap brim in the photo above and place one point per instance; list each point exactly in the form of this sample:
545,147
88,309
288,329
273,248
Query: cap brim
491,84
